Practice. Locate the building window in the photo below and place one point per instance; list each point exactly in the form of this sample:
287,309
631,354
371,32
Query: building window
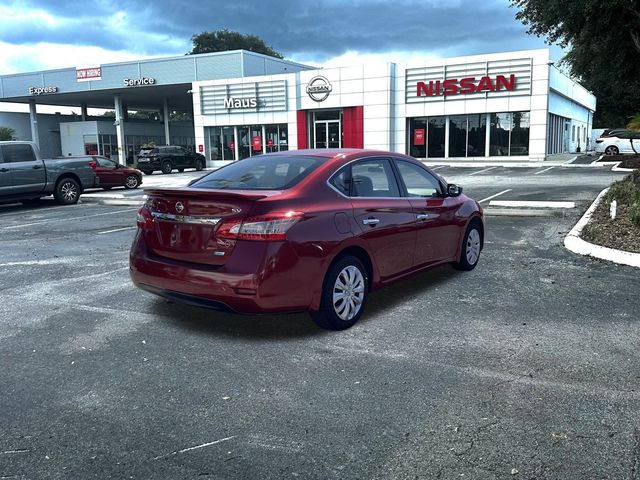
477,135
417,137
458,136
509,134
435,137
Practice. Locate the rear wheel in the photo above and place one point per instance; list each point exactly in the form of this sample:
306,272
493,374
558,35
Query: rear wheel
181,170
67,191
199,165
611,150
344,294
132,182
147,172
166,167
471,247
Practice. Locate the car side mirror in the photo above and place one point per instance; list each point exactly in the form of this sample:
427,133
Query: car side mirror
454,190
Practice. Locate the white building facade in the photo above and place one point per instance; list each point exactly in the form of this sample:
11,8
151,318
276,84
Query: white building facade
513,106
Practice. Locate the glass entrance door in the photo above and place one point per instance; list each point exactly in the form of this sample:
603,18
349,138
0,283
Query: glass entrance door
327,134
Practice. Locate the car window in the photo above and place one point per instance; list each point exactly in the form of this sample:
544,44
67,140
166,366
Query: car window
418,181
373,178
20,152
261,173
105,162
342,181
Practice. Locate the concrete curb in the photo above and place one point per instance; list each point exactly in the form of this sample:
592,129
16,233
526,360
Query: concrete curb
574,243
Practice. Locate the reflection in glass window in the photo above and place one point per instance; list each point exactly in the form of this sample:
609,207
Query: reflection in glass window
520,134
435,137
418,137
458,136
373,178
499,134
477,135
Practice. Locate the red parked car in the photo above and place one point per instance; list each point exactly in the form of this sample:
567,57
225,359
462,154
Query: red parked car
307,230
112,174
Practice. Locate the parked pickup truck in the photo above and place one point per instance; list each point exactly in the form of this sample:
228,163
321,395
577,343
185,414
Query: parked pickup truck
26,177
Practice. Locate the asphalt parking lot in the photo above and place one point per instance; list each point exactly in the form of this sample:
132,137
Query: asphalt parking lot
527,367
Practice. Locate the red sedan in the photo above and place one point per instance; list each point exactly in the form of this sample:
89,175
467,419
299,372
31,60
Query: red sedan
307,230
112,174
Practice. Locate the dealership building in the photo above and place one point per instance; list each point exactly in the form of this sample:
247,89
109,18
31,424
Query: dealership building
511,106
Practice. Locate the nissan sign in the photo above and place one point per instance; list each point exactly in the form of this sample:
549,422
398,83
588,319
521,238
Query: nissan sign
319,88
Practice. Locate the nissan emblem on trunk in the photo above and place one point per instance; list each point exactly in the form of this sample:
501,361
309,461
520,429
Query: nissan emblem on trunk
179,207
319,88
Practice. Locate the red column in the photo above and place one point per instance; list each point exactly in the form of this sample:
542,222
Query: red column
352,126
302,129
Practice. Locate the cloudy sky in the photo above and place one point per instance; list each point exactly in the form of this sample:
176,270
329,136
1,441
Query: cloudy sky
44,34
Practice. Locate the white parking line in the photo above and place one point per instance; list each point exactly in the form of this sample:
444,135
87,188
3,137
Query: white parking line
67,219
480,171
438,168
496,195
531,203
542,171
116,230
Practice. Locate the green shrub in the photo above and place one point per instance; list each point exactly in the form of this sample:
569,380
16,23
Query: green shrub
625,191
634,213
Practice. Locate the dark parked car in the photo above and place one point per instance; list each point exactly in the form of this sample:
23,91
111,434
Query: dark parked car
167,158
26,177
112,174
308,230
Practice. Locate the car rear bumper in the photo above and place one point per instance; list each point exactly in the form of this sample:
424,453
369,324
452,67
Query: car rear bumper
269,279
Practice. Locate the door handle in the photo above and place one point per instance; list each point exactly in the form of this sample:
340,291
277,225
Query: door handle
3,170
37,167
371,221
426,216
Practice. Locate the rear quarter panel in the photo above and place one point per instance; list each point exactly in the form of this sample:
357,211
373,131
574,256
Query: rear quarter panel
80,168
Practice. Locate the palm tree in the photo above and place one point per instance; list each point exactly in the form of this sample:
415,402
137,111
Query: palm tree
7,133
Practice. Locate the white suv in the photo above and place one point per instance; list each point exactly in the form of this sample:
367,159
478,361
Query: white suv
617,144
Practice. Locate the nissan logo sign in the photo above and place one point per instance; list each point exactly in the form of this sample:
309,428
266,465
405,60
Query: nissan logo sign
179,207
319,88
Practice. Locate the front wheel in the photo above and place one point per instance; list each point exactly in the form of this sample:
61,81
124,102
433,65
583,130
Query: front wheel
67,191
471,247
611,150
199,165
344,294
132,182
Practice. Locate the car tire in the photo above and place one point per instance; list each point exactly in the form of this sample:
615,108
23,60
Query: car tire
167,167
199,165
611,150
147,172
180,170
132,182
348,275
67,191
106,188
471,247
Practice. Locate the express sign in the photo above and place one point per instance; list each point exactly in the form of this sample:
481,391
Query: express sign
453,86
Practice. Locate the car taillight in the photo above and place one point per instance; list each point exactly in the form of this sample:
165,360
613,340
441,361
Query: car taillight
598,140
272,226
93,164
144,220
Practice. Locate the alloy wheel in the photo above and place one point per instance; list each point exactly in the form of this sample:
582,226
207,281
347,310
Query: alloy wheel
132,181
69,191
473,247
348,292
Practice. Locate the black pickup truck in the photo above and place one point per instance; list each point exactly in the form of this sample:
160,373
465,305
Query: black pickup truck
26,177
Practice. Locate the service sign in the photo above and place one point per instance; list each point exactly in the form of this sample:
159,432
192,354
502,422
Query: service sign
42,90
88,74
138,82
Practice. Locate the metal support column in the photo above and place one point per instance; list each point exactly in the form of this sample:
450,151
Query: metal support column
119,124
83,110
33,117
165,117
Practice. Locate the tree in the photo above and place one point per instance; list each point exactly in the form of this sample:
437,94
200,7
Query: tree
224,40
7,134
603,42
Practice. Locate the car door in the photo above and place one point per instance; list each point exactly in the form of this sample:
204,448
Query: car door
108,172
438,236
6,186
27,171
386,219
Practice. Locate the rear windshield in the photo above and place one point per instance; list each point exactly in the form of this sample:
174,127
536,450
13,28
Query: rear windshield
261,173
147,151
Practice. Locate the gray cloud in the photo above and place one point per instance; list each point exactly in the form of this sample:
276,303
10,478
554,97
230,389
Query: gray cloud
317,30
